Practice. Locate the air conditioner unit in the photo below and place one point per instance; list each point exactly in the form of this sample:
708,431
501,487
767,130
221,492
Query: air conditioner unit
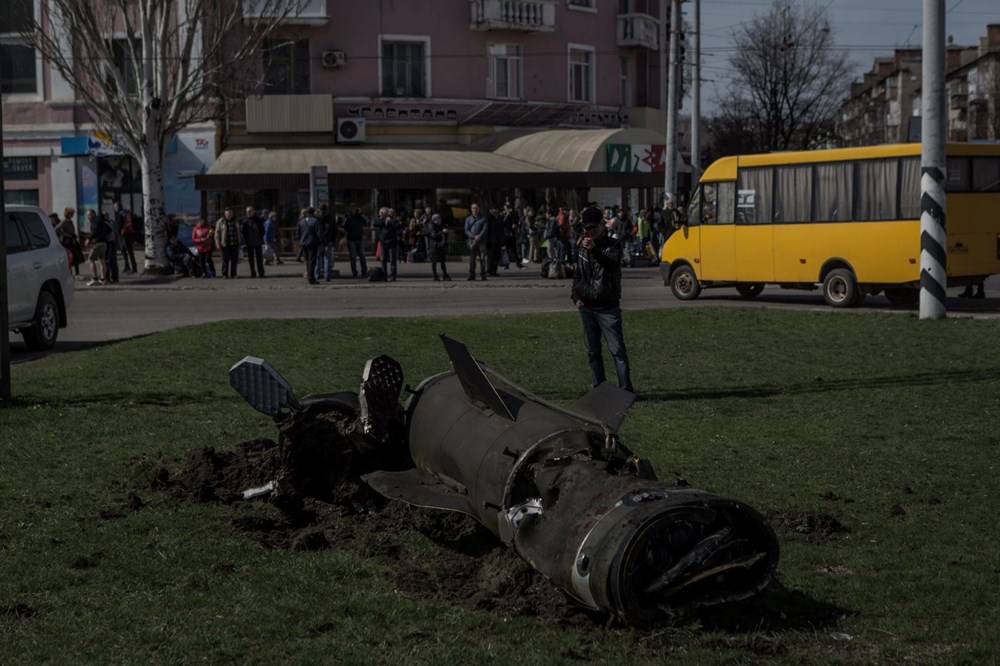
334,59
350,130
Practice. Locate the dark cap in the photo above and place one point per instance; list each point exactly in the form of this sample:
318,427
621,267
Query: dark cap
592,217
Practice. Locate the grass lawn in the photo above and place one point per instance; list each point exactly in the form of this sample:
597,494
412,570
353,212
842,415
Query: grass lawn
870,440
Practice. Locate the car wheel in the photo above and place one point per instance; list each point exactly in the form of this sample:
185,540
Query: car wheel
44,330
685,284
840,289
750,289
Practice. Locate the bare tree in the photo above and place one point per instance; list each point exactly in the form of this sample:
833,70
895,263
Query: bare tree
147,68
787,81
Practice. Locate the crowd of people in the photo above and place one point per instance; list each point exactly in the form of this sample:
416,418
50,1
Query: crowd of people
495,236
109,235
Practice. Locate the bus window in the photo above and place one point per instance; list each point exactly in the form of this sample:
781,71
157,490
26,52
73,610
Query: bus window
959,179
986,174
709,212
909,188
754,196
726,203
793,198
834,192
876,190
694,208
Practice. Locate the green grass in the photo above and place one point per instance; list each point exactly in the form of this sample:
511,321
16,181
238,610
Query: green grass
883,422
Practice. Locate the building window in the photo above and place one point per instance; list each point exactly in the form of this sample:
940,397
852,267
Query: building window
404,68
625,82
582,4
20,197
20,168
18,62
286,67
581,73
505,71
124,63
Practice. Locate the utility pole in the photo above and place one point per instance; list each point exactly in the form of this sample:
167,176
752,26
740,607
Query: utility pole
933,168
673,85
696,97
4,317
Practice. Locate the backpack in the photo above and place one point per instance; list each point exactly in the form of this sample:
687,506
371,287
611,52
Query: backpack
377,275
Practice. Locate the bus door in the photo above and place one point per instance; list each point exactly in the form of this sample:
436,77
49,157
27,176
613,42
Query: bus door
754,237
712,206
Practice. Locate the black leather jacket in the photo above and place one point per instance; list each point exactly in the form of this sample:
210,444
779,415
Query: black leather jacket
597,280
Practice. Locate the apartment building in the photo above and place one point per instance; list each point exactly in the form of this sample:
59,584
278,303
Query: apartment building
884,107
399,100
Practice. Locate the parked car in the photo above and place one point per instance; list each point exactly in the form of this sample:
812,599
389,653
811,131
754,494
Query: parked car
39,281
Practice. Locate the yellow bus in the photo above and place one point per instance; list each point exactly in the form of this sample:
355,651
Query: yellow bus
846,219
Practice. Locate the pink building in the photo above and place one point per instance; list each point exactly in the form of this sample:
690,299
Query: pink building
401,100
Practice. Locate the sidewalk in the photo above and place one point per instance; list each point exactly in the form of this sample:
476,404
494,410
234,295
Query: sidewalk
291,274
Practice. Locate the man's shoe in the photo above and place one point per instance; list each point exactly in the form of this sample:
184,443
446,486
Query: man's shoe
483,278
471,278
447,278
437,279
93,282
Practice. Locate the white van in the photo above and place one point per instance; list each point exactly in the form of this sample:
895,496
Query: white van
39,282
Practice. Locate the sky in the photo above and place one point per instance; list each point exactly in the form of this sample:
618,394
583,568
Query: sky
865,29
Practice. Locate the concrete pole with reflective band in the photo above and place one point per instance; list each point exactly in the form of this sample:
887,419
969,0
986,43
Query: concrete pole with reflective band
673,86
696,96
933,168
4,321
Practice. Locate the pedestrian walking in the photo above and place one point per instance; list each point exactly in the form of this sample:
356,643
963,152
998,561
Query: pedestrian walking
438,241
310,237
354,229
475,240
227,238
252,231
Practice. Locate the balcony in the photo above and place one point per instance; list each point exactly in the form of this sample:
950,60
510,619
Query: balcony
296,12
638,31
524,15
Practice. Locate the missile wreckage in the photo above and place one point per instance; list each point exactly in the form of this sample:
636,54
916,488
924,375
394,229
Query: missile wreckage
554,483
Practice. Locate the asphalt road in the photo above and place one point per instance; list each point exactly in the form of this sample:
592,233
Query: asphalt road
140,305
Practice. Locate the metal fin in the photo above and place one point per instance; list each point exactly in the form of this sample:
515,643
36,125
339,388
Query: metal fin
474,381
606,403
419,489
262,386
381,384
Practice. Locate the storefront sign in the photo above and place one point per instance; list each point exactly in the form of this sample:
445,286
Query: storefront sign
631,158
20,168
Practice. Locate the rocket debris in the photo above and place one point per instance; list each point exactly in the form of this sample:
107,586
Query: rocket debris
555,484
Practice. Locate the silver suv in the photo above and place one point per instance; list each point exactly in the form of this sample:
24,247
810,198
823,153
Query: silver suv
39,283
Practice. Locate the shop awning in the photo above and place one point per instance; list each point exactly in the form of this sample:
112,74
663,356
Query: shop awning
555,158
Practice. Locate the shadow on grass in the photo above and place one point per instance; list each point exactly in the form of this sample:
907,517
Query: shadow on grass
820,385
776,609
117,399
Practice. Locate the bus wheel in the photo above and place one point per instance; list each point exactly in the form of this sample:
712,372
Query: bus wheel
902,296
750,289
840,289
685,284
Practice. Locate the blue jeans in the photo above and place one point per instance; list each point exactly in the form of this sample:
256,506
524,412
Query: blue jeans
606,322
356,250
324,261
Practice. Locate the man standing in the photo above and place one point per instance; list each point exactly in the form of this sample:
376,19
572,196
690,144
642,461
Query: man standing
597,290
111,253
329,230
354,228
227,237
475,239
309,240
388,238
127,232
252,229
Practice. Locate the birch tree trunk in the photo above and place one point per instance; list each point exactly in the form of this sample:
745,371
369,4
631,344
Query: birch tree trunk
154,213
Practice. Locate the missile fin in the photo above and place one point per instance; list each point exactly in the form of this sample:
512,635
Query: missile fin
606,403
419,489
475,383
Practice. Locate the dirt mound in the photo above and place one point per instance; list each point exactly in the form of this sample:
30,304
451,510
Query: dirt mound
312,474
